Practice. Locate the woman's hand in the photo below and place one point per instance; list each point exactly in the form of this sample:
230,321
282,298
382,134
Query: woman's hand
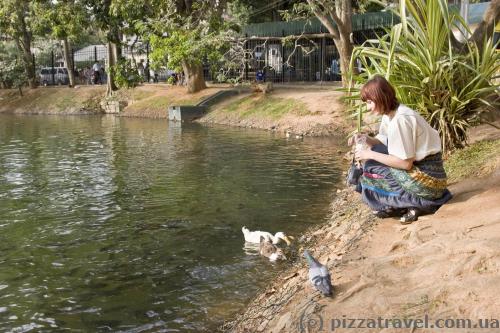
362,154
356,138
362,137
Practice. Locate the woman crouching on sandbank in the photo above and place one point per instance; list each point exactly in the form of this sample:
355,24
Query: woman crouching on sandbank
403,173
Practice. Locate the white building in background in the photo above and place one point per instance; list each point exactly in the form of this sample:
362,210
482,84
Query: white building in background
91,53
134,49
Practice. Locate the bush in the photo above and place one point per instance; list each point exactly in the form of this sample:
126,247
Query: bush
171,80
125,74
12,74
449,88
221,77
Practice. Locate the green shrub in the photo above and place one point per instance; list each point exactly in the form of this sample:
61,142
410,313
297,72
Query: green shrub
449,88
171,80
125,74
12,73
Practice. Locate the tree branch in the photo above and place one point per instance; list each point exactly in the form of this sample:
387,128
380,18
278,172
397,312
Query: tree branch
324,19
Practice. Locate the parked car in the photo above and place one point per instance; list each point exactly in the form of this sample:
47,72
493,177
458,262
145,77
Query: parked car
60,76
162,74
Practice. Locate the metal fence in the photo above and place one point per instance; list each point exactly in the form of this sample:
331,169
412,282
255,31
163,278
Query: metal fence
89,65
52,69
267,59
305,59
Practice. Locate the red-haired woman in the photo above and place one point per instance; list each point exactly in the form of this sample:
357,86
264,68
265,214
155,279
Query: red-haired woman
403,172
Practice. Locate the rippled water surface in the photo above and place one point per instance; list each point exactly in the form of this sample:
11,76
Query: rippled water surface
112,224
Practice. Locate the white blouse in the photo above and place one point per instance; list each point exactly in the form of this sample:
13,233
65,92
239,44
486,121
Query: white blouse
407,135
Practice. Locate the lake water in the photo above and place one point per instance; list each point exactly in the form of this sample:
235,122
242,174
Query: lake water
134,225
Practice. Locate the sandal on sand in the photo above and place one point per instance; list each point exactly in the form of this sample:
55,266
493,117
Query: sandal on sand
411,216
382,214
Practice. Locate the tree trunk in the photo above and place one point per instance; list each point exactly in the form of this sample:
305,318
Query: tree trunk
24,46
344,47
117,51
27,58
69,62
340,13
110,85
193,74
487,25
114,54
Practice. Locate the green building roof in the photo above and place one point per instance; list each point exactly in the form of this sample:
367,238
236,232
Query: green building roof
360,22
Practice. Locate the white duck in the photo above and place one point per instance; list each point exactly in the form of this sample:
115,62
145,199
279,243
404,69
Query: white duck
254,236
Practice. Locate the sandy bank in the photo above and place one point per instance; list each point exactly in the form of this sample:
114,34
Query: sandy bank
301,111
446,265
52,100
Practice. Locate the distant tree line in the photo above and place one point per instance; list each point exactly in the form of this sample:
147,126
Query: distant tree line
183,33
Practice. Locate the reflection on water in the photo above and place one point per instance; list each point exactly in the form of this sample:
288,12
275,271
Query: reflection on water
110,224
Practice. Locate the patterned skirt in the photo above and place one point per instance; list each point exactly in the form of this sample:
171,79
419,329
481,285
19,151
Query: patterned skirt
422,187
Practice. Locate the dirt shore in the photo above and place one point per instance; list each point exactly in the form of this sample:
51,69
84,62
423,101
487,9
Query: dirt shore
52,100
299,111
148,101
444,266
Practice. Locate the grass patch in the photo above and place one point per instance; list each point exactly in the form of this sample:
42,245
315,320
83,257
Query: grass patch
66,100
138,94
53,100
156,102
476,160
159,103
135,94
266,106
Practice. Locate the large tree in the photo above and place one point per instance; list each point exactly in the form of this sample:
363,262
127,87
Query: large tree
106,19
16,17
64,21
116,18
185,34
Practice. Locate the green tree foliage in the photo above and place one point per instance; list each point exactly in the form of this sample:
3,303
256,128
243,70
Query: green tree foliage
16,19
115,18
258,11
448,87
64,21
12,73
126,75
